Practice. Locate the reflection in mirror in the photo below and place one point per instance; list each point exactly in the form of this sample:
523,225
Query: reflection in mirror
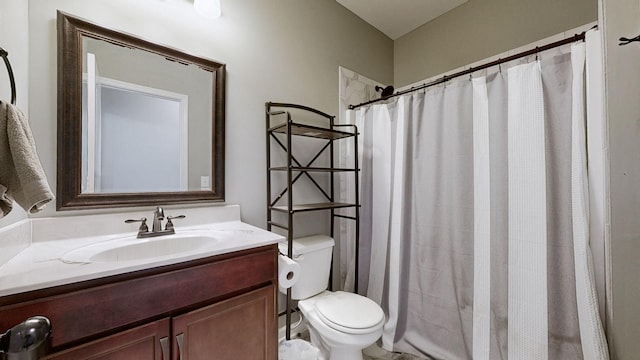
137,102
139,123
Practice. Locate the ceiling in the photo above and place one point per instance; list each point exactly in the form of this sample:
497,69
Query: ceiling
398,17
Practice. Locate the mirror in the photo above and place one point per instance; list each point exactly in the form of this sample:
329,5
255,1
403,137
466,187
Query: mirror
138,123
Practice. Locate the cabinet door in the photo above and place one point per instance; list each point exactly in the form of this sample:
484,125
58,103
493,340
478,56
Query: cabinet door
242,327
146,342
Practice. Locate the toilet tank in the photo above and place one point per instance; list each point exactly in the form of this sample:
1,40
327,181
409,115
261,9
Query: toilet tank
313,254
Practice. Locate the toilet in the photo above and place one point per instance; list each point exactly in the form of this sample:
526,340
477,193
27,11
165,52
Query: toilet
340,324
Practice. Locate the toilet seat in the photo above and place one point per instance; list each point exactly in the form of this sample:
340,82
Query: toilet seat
349,313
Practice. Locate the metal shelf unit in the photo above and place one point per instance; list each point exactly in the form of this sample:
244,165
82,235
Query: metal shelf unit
281,135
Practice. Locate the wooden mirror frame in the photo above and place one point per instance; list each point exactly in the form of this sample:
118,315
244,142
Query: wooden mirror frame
69,164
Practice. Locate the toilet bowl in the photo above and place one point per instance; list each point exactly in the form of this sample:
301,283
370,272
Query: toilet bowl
340,324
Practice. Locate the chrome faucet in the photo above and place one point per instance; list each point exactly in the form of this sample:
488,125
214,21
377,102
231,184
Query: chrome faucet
156,230
158,216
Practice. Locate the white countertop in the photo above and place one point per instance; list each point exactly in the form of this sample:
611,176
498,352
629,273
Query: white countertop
40,265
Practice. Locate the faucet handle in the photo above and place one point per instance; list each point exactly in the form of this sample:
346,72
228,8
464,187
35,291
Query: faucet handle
169,225
143,226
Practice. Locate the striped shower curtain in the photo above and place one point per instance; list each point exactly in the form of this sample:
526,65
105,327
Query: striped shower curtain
476,213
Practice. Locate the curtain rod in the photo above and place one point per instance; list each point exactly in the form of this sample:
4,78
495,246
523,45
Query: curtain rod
445,78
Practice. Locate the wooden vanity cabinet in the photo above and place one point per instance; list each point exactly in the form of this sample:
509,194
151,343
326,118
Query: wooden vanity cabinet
222,307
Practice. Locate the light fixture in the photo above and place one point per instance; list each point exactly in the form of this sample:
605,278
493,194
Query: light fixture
207,8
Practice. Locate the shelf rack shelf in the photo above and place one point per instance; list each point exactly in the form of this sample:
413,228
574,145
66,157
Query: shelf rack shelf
310,131
311,207
281,134
310,169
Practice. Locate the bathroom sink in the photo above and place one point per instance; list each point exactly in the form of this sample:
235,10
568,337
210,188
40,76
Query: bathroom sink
132,249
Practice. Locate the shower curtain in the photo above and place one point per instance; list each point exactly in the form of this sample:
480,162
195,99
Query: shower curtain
475,217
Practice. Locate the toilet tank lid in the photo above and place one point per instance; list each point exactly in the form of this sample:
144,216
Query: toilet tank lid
307,244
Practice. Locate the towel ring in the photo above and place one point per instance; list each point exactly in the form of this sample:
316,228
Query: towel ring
4,55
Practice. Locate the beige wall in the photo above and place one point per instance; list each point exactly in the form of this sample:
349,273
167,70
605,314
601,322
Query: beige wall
276,50
620,18
479,29
14,33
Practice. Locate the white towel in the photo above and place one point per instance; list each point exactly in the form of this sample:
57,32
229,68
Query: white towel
21,176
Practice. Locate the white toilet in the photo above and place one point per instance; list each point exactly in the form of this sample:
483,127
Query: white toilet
340,324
